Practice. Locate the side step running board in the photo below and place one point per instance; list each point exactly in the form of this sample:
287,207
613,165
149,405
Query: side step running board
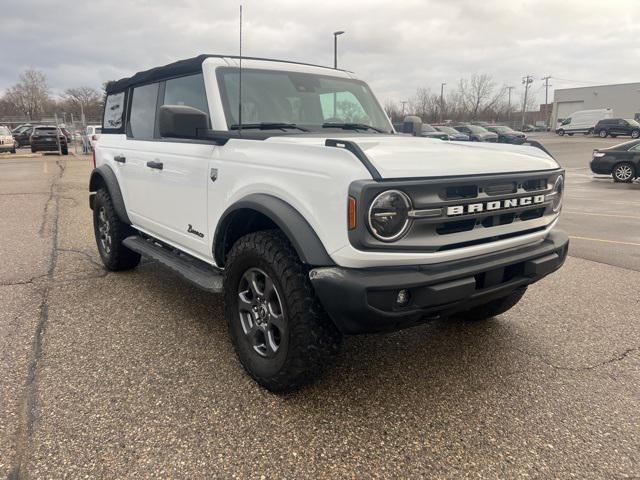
196,271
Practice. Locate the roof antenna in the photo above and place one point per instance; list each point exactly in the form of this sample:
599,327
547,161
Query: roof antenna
240,81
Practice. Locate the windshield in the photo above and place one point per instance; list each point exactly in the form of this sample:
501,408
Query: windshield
633,122
450,130
502,129
309,101
428,128
4,131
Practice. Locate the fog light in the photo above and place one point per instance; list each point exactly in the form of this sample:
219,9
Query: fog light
403,297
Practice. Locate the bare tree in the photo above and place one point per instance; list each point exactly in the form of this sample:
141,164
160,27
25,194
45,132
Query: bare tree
30,95
479,94
87,99
393,110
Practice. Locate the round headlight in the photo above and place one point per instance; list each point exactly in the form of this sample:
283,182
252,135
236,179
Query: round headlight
389,215
558,190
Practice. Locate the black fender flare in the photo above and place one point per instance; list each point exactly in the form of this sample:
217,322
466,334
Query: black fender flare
304,239
104,174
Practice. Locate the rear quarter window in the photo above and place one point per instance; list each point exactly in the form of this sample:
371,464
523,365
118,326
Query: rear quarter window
113,111
142,120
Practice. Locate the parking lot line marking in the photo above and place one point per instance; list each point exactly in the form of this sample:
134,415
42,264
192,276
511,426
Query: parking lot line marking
603,240
601,214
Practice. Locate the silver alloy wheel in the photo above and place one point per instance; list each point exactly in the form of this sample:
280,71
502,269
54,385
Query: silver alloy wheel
603,134
104,229
623,172
635,134
261,314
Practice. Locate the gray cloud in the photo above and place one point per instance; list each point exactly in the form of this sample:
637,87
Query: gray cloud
395,46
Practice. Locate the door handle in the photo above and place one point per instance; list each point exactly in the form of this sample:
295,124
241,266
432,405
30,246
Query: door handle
120,159
154,164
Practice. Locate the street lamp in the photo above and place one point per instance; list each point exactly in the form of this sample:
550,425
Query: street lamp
335,48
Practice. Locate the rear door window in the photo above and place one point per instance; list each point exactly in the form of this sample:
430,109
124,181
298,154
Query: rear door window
142,119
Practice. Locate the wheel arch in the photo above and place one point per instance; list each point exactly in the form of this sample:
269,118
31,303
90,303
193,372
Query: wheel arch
103,176
260,212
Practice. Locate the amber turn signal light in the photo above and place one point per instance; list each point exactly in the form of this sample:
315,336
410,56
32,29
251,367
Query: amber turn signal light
351,215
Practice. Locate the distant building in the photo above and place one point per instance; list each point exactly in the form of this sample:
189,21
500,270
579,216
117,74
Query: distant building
623,99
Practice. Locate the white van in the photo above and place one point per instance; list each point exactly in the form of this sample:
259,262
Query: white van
583,121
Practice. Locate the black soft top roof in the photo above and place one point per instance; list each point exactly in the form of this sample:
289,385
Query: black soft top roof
181,67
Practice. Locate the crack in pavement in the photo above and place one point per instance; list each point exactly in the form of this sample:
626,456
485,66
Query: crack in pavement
617,358
29,403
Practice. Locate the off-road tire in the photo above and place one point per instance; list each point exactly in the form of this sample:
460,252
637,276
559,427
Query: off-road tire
623,172
65,150
33,150
311,340
495,307
118,257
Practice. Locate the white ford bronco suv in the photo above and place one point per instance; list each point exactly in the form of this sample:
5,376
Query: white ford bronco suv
284,186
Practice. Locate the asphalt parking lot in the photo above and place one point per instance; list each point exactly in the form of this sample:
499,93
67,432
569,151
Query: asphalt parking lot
133,375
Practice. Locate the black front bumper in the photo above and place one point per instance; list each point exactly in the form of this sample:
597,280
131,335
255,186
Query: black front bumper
364,300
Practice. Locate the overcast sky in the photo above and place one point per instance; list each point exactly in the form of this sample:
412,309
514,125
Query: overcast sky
396,46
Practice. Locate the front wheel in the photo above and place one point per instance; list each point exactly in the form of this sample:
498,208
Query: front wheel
495,307
623,172
602,134
561,132
635,134
110,231
281,333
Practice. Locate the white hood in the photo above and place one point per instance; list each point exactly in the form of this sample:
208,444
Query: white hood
400,156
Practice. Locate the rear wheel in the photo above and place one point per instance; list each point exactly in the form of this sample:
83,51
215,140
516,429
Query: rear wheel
570,134
110,231
281,333
589,132
495,307
623,172
603,133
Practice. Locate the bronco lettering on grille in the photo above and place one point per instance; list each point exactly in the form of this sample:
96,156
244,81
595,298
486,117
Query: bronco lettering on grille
494,205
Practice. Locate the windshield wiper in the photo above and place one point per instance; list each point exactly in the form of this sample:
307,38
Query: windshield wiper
352,126
267,126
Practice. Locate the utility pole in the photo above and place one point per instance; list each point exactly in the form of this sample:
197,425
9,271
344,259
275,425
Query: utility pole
335,48
526,81
509,104
442,101
403,102
546,99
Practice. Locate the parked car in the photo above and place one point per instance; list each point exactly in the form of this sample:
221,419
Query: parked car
477,133
43,139
453,133
93,133
7,142
614,127
313,222
528,128
22,134
507,134
621,161
480,123
583,121
430,132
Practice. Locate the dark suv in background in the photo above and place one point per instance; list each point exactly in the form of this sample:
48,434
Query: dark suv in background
617,126
507,134
22,134
43,139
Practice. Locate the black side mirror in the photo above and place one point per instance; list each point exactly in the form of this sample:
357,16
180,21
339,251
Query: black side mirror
181,121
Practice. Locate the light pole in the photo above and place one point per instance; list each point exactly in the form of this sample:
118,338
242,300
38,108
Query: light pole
442,101
335,48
